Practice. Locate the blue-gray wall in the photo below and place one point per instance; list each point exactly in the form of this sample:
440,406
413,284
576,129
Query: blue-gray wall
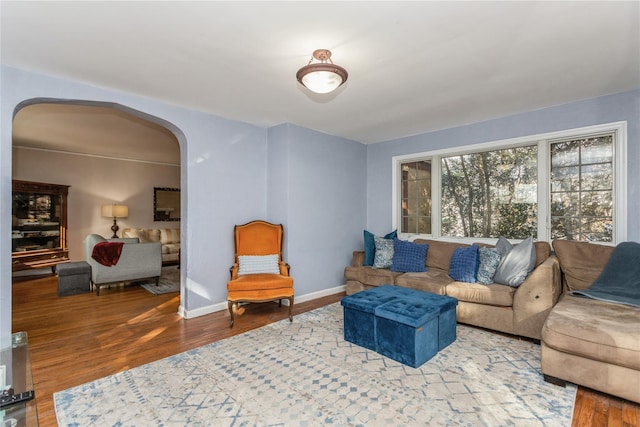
606,109
228,176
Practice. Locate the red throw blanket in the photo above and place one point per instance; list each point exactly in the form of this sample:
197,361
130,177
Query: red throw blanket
107,253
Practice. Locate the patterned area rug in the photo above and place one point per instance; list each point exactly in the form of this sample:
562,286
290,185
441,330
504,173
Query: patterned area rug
169,281
304,374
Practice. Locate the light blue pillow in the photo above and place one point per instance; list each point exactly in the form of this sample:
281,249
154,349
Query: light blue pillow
489,261
464,264
384,253
370,246
517,264
409,257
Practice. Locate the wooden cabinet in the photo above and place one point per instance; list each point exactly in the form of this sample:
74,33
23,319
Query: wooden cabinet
39,225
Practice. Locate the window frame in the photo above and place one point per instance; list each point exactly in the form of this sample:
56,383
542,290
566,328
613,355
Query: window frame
543,141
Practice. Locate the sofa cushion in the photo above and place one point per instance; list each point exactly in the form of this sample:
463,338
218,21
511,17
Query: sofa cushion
596,330
370,245
384,253
494,294
440,253
581,262
489,261
169,235
517,263
464,264
171,248
371,276
409,257
434,281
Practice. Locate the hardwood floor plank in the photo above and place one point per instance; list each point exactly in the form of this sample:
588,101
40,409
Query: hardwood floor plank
80,338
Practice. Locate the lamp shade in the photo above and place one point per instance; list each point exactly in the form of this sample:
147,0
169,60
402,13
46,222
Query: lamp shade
115,211
322,77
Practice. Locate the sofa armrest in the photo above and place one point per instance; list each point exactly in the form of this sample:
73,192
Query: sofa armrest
537,295
358,259
137,261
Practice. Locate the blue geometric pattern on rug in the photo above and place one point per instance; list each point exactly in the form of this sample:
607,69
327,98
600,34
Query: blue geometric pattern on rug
304,374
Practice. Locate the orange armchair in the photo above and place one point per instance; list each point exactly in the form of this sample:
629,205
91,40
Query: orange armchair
259,274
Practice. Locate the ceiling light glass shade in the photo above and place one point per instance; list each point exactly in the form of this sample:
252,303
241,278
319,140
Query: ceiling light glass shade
322,77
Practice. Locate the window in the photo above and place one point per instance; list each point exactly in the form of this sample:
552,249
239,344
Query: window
567,185
416,197
490,194
582,189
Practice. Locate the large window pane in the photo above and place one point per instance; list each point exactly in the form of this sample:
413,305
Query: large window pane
416,197
490,194
582,189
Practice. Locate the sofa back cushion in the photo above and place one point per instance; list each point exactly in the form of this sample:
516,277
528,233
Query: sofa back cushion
581,262
440,252
149,235
169,235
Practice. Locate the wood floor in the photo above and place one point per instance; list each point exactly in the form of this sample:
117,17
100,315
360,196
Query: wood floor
80,338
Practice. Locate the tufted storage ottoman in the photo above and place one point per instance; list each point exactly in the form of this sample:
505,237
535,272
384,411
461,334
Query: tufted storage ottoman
359,315
407,331
73,278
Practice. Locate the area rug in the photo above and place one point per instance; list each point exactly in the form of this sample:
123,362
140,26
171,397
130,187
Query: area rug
169,281
305,374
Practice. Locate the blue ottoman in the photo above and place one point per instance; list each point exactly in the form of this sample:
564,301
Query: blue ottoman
359,315
447,317
407,331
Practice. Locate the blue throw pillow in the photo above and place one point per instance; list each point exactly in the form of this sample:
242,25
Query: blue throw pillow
489,261
370,246
384,253
409,257
464,264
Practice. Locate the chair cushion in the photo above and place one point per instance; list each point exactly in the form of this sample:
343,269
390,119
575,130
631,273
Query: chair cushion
259,282
258,264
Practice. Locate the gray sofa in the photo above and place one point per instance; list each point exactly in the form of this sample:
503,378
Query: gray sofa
137,261
519,311
586,341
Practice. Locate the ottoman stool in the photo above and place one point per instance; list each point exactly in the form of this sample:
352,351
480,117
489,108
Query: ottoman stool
73,278
407,331
447,317
359,315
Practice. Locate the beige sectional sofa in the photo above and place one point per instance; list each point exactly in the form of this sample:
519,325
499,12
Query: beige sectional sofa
168,237
586,341
520,311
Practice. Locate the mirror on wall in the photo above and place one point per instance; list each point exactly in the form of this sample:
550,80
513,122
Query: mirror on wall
166,204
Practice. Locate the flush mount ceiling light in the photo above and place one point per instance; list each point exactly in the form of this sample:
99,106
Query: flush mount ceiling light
323,76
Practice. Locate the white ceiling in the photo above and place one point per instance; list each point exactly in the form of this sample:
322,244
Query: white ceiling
413,66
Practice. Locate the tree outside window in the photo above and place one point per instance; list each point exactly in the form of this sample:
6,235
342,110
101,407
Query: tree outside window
416,197
490,194
582,189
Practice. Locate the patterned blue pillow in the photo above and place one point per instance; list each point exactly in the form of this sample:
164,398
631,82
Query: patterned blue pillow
384,253
409,257
464,264
370,246
489,261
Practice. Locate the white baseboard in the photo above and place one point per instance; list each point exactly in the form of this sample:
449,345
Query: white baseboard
190,314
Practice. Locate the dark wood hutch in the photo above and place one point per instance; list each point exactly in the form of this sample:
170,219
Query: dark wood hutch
38,225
